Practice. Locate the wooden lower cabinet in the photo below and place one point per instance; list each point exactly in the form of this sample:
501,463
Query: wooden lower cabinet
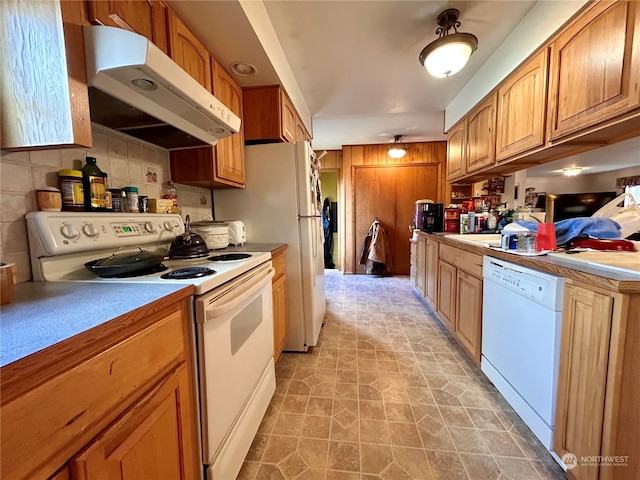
597,410
431,273
469,313
447,294
421,255
152,440
280,319
117,401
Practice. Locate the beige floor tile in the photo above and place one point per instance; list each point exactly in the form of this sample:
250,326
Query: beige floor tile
387,394
344,456
374,431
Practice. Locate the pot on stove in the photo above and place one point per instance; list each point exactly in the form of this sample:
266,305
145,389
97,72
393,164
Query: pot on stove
214,233
188,245
119,264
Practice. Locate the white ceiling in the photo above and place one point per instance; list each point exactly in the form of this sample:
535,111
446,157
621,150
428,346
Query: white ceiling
351,67
354,63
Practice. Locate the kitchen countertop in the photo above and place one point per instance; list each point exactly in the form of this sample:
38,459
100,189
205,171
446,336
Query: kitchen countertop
560,264
46,313
255,247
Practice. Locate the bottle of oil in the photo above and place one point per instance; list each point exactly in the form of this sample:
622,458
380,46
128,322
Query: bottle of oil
94,187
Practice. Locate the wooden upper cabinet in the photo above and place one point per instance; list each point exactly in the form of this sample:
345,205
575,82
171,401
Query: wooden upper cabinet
289,118
222,166
595,68
230,150
521,108
188,52
457,151
301,131
269,115
43,77
146,17
481,135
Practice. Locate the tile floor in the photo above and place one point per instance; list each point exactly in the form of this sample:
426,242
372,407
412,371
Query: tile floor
388,394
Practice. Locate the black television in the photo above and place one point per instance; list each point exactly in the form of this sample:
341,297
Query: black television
571,205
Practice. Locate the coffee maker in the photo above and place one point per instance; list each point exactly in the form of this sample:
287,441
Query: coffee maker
429,216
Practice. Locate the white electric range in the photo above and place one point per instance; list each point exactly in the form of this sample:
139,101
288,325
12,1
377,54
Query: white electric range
232,314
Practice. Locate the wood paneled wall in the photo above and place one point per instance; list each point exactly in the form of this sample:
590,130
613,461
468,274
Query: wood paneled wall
431,155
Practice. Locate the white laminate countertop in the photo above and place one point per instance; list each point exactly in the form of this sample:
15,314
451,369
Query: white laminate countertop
45,313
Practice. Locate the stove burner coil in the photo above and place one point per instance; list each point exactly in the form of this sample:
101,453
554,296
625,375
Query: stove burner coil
187,273
227,257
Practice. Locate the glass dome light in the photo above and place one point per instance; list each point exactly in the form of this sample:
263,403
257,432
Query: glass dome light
450,52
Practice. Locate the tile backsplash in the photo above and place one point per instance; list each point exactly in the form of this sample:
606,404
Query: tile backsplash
127,160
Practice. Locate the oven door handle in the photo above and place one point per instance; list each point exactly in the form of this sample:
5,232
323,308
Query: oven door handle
249,288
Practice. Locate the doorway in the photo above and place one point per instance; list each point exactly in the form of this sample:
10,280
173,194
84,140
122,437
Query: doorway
330,190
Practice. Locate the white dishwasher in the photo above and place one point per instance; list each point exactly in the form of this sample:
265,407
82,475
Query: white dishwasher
521,325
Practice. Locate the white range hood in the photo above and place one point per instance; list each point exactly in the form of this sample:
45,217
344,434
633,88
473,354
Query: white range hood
137,89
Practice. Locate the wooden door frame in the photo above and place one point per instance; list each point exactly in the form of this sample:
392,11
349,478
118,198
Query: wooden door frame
341,214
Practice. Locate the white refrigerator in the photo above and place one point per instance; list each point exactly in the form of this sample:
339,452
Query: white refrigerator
282,203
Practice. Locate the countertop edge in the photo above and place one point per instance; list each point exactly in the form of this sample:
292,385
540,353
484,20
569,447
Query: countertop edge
607,279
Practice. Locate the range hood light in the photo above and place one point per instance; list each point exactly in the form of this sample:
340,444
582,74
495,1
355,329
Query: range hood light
144,84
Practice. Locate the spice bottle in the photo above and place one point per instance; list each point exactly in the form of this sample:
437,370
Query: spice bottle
94,189
172,195
132,199
108,198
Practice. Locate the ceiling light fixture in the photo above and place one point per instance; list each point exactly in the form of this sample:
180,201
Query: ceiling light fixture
449,53
243,69
397,150
571,171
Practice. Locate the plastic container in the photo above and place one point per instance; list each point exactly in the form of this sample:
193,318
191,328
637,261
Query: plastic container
49,199
132,205
464,223
72,190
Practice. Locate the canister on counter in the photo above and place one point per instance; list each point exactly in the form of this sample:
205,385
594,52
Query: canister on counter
72,190
132,199
143,204
464,223
116,204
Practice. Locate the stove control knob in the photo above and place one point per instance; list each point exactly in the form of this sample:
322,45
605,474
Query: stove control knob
69,231
90,231
168,226
148,226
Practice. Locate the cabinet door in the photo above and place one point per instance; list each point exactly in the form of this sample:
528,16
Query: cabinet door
288,120
469,313
230,161
521,108
421,257
47,106
154,439
301,130
146,17
447,293
584,353
595,68
187,51
431,281
481,135
280,322
457,151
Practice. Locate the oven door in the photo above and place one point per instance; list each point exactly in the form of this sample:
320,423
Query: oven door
236,372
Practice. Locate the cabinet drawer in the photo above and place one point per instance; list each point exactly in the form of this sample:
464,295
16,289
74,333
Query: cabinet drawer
62,414
465,261
279,263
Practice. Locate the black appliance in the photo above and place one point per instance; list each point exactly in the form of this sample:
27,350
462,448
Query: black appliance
570,205
432,217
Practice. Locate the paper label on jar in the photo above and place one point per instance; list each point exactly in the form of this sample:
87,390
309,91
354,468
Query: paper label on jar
97,192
